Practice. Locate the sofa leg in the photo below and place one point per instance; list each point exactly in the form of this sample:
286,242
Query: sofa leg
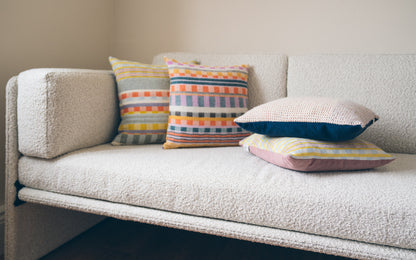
33,230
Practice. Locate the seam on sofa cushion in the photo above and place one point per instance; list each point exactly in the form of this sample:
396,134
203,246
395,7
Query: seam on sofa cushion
47,78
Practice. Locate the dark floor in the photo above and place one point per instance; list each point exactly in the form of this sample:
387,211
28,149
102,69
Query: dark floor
116,239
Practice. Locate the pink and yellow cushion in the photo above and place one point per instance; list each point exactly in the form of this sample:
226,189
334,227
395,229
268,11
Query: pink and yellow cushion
311,155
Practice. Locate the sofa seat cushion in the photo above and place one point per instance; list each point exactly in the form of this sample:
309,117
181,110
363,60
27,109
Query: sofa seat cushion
375,206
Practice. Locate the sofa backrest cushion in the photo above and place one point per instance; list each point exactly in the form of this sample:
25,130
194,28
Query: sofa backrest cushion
386,84
266,76
62,110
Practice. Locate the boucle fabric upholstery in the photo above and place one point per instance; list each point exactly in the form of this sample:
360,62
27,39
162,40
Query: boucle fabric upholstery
266,74
383,83
228,183
332,210
261,234
33,230
61,110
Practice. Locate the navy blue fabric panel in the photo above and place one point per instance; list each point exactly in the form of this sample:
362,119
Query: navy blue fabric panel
317,131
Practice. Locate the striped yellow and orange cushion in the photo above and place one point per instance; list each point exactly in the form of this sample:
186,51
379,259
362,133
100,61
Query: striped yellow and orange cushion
143,92
204,101
311,155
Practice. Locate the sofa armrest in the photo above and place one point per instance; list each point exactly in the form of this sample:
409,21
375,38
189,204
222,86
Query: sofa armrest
62,110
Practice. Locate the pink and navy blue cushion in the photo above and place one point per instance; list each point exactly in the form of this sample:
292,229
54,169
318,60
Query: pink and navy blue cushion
204,101
316,118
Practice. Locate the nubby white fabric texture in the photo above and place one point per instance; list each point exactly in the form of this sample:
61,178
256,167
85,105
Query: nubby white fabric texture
254,233
62,110
228,183
221,191
383,83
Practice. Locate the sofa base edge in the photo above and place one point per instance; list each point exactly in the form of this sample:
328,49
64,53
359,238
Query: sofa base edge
242,231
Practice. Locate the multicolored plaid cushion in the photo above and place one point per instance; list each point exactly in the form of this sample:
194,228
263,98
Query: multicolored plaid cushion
143,92
310,155
319,118
204,101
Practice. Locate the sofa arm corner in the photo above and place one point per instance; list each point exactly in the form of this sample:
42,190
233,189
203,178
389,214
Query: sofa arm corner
62,110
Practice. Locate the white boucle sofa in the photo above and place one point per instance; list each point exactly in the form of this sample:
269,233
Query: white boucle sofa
63,176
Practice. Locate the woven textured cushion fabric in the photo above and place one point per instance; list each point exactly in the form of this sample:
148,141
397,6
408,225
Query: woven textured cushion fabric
310,155
374,206
143,92
204,101
383,83
319,118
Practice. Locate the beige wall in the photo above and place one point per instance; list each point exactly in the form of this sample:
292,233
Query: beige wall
82,33
144,28
51,33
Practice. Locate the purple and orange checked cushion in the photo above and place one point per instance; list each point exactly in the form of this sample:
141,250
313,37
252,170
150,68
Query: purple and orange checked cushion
204,101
